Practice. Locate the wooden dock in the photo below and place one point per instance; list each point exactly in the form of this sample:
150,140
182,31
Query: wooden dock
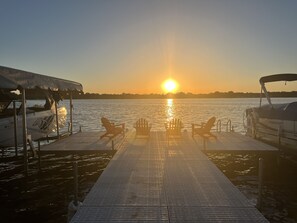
149,180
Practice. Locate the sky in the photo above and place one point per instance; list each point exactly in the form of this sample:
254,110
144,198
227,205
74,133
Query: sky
132,46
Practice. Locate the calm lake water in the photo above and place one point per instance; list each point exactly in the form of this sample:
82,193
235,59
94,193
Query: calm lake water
158,112
44,196
87,113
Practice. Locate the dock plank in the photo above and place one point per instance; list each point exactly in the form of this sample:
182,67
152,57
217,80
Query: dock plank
151,180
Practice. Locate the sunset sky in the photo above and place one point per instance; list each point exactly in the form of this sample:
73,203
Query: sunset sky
132,46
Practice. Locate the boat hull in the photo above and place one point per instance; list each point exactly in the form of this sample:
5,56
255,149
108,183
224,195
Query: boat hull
39,124
272,129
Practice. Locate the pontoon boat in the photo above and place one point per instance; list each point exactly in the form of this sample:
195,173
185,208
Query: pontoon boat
275,123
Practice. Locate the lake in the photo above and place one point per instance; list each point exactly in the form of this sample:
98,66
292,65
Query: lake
44,196
158,111
87,113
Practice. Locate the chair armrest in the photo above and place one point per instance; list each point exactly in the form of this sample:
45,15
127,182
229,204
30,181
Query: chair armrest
199,125
122,125
112,124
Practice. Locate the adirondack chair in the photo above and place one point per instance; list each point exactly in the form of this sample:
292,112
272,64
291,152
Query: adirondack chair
142,127
112,129
204,129
173,128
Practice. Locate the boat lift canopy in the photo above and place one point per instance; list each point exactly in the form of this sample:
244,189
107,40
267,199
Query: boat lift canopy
274,78
13,79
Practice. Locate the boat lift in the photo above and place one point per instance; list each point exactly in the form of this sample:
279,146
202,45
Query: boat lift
13,79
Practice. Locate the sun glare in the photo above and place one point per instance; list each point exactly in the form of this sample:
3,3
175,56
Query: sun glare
169,86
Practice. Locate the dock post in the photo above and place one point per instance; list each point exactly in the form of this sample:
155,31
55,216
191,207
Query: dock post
279,134
260,183
57,120
15,125
39,156
24,121
74,205
75,183
71,112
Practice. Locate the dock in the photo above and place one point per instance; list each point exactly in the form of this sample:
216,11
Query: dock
153,180
232,142
83,142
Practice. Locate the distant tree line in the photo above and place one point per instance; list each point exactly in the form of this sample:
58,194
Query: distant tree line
217,94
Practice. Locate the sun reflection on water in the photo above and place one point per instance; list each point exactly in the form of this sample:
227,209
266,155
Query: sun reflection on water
169,109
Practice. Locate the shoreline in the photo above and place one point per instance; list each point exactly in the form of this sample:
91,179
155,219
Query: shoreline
181,95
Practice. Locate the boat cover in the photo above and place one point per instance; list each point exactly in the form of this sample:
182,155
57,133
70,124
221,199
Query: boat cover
278,112
12,79
278,77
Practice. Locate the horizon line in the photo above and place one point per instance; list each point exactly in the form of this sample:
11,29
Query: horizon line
187,93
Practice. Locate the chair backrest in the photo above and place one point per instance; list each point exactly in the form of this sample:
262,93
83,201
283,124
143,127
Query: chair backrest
209,124
175,124
107,124
142,127
142,123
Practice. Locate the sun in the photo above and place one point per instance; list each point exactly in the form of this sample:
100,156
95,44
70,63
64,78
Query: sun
169,86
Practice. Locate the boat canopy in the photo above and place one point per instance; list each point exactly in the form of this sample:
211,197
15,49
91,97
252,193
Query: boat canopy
13,79
274,78
278,77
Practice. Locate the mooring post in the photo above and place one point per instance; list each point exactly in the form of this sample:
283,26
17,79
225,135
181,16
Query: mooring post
260,183
112,144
